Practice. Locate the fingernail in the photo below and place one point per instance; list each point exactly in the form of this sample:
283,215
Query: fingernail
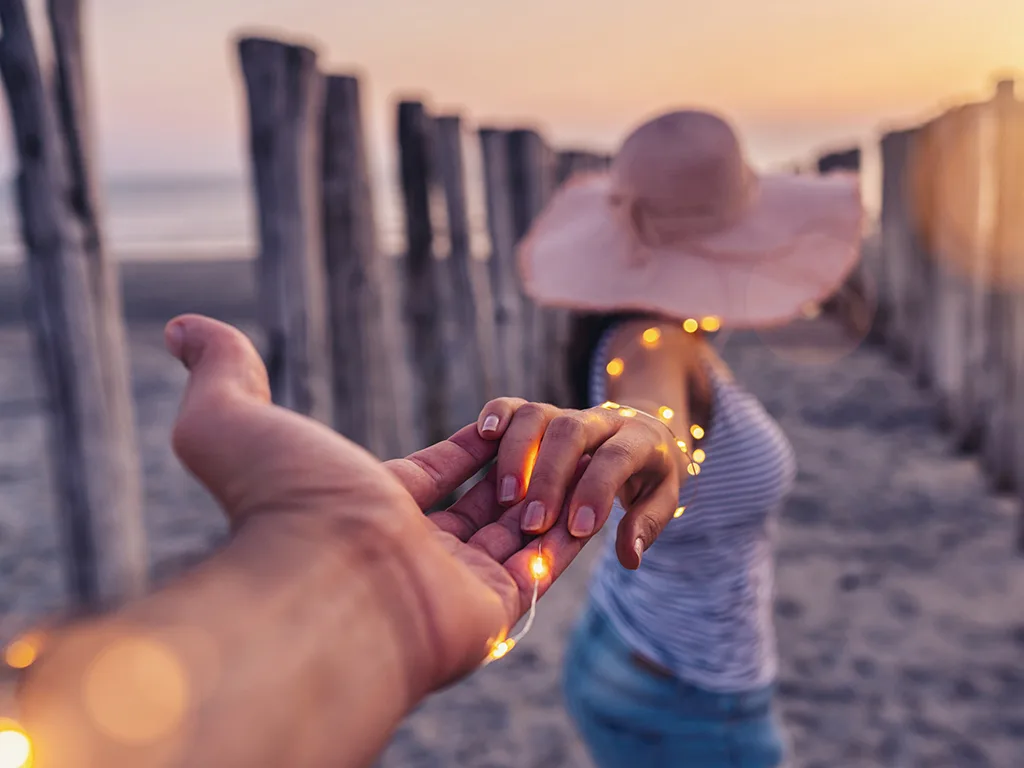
638,547
508,489
533,519
583,522
176,339
490,424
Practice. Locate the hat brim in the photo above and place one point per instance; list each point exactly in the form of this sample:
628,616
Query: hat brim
795,245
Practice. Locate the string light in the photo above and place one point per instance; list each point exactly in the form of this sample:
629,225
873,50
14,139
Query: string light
699,455
810,310
666,413
679,512
682,445
615,367
15,746
710,324
539,569
690,325
697,431
610,406
693,469
651,337
629,413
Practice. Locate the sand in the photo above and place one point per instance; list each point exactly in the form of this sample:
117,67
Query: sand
900,600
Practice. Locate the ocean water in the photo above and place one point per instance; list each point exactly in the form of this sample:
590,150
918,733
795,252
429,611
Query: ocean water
197,217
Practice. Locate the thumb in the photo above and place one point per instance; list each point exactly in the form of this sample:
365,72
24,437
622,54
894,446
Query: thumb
227,386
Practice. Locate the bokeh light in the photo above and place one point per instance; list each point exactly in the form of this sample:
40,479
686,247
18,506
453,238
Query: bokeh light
690,325
615,367
15,746
651,337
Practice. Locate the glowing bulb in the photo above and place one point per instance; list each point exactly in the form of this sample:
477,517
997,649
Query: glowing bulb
538,567
652,336
697,431
710,324
810,310
666,413
699,456
628,412
615,367
682,445
690,325
22,653
15,747
679,512
693,469
502,648
610,406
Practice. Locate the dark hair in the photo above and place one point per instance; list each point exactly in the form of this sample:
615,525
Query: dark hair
585,331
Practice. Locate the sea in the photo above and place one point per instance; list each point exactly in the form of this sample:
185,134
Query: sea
147,218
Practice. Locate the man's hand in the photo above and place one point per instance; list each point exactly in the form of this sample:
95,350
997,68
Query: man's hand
462,575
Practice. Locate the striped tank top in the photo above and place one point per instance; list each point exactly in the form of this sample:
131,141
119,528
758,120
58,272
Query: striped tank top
700,604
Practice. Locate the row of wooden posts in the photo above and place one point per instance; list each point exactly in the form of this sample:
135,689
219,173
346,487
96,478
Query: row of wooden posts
394,352
949,273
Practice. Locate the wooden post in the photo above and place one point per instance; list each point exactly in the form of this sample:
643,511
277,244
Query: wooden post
1006,246
505,283
423,299
371,384
570,162
75,316
955,223
469,319
546,331
285,97
896,241
921,291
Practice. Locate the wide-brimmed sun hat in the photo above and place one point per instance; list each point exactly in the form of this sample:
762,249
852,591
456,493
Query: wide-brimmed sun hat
681,226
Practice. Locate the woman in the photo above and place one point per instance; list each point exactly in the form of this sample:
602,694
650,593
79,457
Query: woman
674,659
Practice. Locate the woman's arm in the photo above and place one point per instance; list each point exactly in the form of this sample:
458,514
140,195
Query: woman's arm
648,371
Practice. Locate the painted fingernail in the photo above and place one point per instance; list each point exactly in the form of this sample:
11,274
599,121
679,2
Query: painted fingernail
583,522
533,519
638,547
508,489
490,424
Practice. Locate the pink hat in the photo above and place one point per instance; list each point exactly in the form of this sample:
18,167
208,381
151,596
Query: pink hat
681,226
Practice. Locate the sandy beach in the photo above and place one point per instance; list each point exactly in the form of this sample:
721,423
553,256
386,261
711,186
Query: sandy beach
900,599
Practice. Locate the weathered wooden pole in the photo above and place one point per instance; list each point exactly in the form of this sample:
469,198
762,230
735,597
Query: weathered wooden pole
920,296
569,162
285,100
423,299
1000,443
75,315
896,241
546,330
371,384
469,316
505,283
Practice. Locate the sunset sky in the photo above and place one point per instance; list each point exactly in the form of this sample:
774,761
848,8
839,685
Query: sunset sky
794,75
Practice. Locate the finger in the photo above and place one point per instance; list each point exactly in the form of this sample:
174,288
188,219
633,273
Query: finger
518,449
497,415
644,522
227,383
502,538
477,507
568,437
431,474
542,560
634,449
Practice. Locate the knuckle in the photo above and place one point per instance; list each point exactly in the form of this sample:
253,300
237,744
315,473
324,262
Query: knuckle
615,453
648,528
567,428
531,411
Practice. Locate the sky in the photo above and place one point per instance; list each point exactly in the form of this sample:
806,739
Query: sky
795,76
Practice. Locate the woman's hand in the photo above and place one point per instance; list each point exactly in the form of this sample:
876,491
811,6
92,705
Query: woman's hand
450,584
634,458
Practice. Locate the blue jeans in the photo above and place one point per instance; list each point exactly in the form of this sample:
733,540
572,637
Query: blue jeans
635,717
